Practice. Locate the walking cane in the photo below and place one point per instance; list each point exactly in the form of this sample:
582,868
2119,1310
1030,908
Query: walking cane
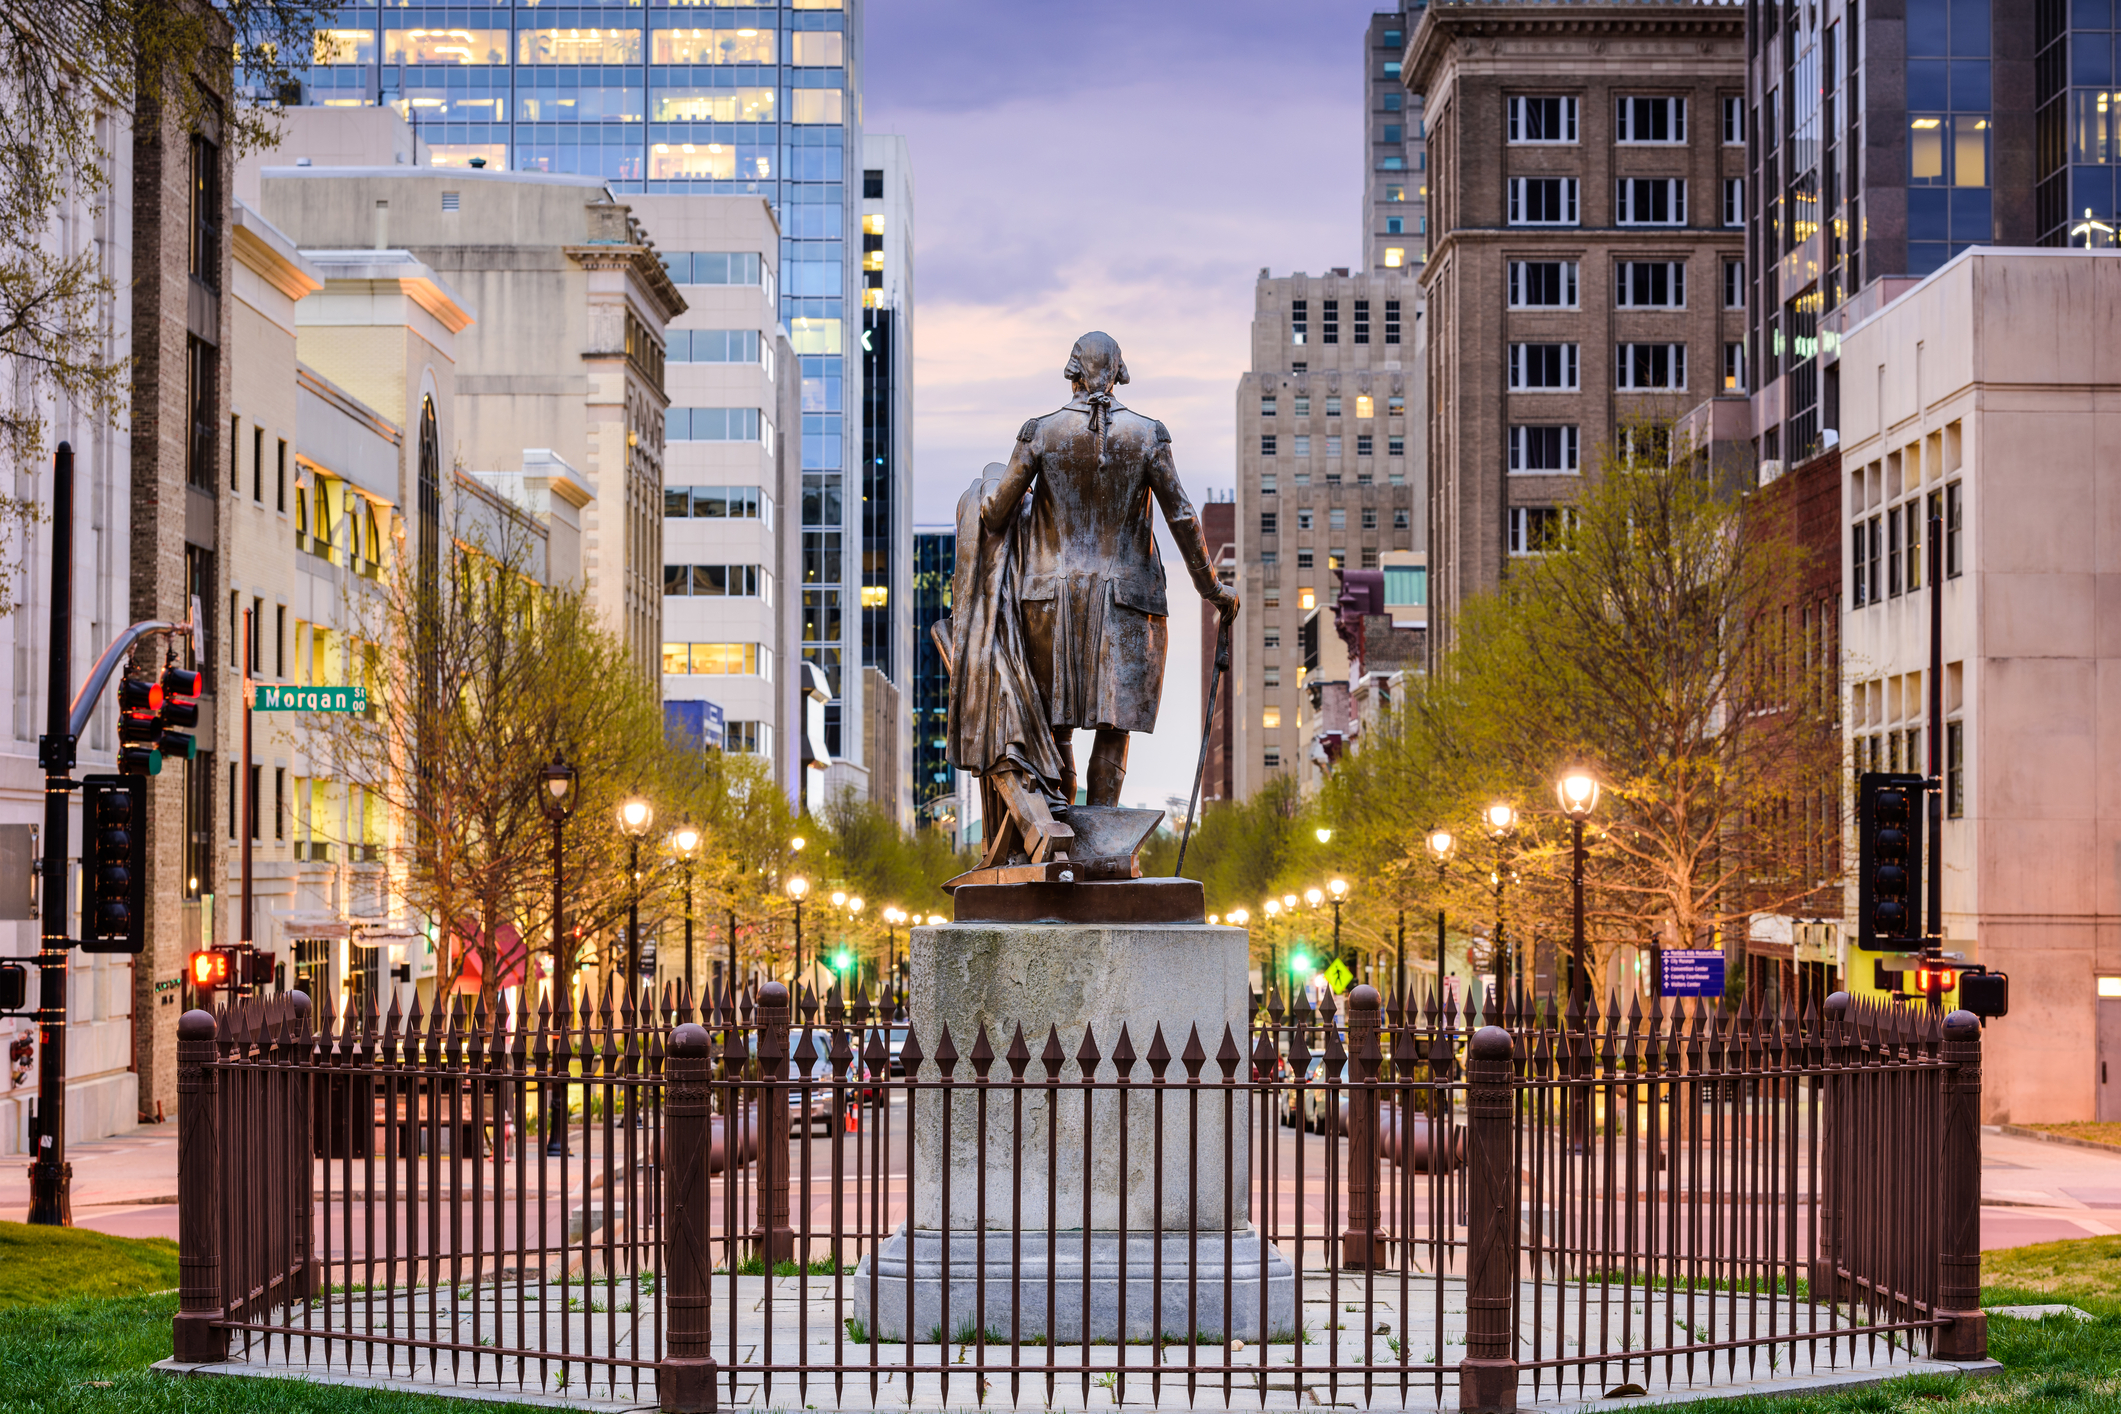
1207,729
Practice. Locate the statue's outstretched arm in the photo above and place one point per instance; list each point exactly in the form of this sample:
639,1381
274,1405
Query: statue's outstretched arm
1185,527
998,506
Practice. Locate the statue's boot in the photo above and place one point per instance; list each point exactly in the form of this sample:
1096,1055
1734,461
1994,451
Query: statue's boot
1044,837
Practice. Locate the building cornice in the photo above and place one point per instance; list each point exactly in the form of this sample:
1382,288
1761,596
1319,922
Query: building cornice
1445,27
268,252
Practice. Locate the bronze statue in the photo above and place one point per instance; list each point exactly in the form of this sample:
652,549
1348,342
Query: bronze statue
1058,608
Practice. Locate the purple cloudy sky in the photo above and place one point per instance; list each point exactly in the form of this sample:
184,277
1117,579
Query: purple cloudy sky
1091,164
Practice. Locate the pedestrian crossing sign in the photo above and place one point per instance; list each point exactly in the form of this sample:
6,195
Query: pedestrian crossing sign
1338,977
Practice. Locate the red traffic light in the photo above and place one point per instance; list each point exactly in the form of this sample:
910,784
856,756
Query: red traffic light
1935,979
209,969
140,695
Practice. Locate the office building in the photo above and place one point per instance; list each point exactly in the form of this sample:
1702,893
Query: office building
1969,400
1324,483
935,799
1395,175
730,535
1586,257
758,99
1880,143
567,352
888,649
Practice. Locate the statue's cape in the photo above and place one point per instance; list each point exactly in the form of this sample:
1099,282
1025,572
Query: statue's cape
998,719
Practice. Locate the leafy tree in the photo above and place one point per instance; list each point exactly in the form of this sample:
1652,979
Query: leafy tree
76,71
1646,647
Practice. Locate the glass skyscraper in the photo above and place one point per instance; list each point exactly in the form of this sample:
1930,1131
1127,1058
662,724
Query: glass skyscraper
709,98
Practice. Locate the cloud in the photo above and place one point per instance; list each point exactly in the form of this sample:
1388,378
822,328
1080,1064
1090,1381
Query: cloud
1115,166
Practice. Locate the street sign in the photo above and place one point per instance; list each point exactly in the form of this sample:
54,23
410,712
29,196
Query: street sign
1339,978
1693,972
286,697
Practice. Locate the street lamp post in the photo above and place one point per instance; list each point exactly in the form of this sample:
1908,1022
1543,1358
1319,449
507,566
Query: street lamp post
634,818
557,801
686,841
797,888
1338,889
1501,820
1440,846
1578,793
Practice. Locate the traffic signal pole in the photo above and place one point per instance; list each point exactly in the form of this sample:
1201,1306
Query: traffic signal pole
50,1176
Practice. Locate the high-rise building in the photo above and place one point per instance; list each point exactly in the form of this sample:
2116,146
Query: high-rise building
1395,177
754,99
887,463
1586,258
1880,143
1325,482
934,779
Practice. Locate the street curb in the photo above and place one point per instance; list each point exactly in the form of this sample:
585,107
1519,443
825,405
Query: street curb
2019,1131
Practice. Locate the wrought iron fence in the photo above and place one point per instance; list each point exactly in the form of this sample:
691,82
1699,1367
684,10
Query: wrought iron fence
1389,1204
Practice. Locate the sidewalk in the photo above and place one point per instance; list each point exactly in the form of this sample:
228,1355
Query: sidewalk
125,1185
2035,1191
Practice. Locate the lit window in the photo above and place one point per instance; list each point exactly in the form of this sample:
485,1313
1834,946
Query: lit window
873,224
875,596
689,45
817,49
1365,406
1306,599
1270,718
1395,257
816,105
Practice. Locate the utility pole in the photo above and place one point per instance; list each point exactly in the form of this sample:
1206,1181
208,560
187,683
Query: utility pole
50,1176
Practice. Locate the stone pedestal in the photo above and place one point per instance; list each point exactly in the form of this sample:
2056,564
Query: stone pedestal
1014,1163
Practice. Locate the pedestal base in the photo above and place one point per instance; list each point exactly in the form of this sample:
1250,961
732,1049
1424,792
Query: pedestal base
1186,1296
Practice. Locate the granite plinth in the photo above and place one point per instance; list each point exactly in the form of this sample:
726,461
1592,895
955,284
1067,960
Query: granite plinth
1058,1147
1222,1286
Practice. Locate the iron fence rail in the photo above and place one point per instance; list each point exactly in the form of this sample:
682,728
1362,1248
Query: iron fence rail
632,1197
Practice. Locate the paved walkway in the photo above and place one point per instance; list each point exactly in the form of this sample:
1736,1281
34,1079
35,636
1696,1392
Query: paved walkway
791,1321
2036,1191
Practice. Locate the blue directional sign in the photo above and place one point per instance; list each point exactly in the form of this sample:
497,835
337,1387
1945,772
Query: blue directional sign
1693,972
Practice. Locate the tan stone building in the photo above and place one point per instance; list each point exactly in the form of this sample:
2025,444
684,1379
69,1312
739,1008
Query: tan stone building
1323,483
1585,254
1983,395
568,353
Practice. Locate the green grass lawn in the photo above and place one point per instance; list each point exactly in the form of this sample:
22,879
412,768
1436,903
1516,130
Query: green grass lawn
79,1325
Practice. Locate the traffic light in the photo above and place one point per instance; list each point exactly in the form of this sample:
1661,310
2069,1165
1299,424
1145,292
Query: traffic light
14,987
180,713
256,968
1934,979
1985,993
113,866
1889,861
209,968
139,726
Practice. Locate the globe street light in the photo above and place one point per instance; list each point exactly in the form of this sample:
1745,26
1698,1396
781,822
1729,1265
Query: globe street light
1441,843
1501,821
557,801
1272,909
1338,889
685,842
797,888
1578,794
634,818
1325,835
